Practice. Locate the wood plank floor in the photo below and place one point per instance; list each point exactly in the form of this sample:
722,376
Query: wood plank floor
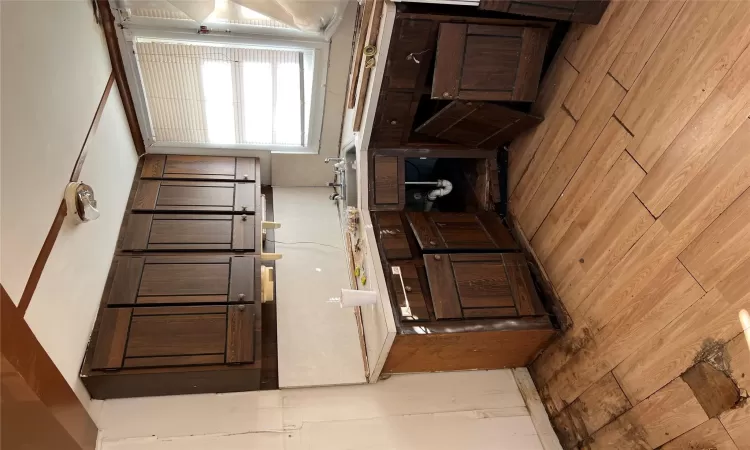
634,196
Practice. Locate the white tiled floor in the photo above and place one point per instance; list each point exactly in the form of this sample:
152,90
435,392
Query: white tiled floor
457,410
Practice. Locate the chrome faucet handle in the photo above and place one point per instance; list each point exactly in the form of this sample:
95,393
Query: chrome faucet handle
328,160
335,185
334,197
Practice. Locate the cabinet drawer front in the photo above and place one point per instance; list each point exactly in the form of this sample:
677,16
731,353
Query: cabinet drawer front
186,167
194,196
481,285
412,290
410,54
189,279
584,11
460,231
388,179
190,232
487,62
394,119
392,234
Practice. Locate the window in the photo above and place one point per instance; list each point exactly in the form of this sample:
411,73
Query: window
227,94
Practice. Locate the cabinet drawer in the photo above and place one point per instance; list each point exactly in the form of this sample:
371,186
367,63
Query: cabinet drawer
393,120
464,285
204,196
392,235
584,11
411,290
176,336
388,176
191,232
188,167
412,54
460,231
188,279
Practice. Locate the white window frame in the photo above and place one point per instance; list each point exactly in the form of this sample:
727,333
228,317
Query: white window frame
231,34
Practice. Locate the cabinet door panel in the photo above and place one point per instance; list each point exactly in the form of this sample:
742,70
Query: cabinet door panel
388,176
190,232
460,231
476,285
186,167
169,335
393,120
189,279
190,196
241,330
478,124
484,62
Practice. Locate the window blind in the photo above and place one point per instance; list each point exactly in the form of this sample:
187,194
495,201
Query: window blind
219,94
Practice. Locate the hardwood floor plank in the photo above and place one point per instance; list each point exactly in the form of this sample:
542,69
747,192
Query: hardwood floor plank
586,38
642,41
723,180
624,16
560,126
585,133
600,403
605,152
665,298
691,87
710,321
607,247
594,216
737,423
552,91
670,412
722,247
673,55
738,353
707,131
710,434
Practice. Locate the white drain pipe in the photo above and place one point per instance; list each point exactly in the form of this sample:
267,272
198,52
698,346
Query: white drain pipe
442,188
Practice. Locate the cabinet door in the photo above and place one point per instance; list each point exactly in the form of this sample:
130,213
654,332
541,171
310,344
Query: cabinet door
478,124
176,336
191,232
488,62
388,182
481,285
187,167
188,279
204,196
393,119
460,231
410,294
584,11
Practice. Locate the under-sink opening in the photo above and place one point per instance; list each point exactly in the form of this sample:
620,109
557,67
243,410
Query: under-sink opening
468,189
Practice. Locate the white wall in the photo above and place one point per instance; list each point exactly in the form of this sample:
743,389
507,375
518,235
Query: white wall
55,67
310,170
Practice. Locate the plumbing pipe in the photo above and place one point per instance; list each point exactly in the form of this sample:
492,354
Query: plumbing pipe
444,187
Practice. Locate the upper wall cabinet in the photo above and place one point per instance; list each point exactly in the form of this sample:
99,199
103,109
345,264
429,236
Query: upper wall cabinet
584,11
186,167
195,196
488,62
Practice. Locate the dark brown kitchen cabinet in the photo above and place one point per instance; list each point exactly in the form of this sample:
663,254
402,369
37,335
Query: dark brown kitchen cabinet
468,286
175,336
167,232
190,196
183,279
393,119
488,62
478,124
408,61
388,182
186,167
447,231
584,11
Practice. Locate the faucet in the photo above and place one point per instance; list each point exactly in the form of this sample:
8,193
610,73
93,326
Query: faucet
334,197
328,160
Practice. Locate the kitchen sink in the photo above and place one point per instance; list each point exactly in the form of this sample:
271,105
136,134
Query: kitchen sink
345,177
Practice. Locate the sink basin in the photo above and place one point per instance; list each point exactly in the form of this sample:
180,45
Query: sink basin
350,176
